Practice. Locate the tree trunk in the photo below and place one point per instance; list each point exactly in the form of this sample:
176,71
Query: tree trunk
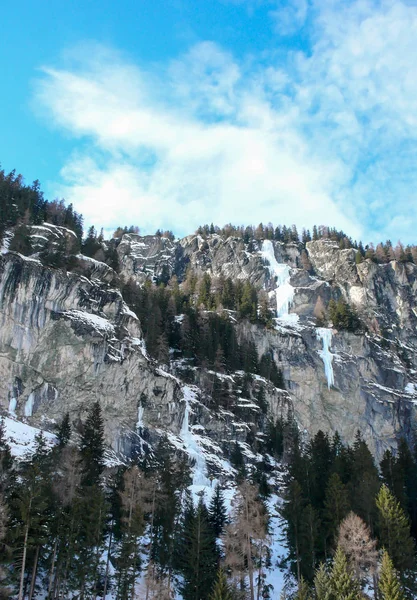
106,577
34,572
25,547
258,595
51,570
150,546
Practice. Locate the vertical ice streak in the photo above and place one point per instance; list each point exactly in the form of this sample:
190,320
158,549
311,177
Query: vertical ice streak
29,405
284,293
12,406
193,449
325,335
139,423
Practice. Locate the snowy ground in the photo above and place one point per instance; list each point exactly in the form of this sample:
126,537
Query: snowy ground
21,437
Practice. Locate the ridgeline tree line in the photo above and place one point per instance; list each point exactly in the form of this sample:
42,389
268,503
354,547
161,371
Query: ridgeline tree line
23,205
70,527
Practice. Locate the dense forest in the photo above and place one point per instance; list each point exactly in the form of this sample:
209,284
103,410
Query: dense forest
74,524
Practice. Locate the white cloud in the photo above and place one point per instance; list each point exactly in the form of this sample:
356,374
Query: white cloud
203,147
207,138
289,16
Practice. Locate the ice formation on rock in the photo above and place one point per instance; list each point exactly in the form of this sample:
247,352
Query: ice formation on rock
12,406
139,423
325,335
29,405
284,293
193,449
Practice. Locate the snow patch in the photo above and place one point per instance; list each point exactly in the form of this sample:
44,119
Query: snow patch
100,324
21,437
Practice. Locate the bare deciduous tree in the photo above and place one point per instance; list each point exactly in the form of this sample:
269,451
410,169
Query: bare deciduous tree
357,543
245,537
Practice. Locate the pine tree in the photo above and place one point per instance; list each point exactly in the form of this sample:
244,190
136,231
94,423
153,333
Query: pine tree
6,460
389,584
221,589
364,483
217,511
132,526
322,584
343,584
336,505
199,557
92,446
309,537
303,591
64,431
394,530
4,518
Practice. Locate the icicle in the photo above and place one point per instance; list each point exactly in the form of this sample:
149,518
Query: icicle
12,406
284,293
139,423
29,405
325,335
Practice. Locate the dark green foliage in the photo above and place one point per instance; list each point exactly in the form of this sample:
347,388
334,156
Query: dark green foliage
394,530
20,241
274,442
364,483
327,480
6,460
237,460
269,370
92,243
64,431
336,505
92,446
217,511
343,316
198,553
21,203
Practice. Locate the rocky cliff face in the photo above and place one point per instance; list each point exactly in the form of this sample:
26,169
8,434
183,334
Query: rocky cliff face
68,338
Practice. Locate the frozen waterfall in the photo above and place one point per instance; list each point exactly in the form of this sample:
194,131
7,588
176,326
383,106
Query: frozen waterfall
139,423
325,335
284,293
13,406
200,480
29,404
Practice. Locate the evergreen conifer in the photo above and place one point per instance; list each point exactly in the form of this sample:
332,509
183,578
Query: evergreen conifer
221,589
389,584
394,530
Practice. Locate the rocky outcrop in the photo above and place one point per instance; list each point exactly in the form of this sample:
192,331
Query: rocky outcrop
67,341
68,338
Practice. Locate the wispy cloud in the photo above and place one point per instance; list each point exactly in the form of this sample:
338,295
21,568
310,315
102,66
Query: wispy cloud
289,16
327,136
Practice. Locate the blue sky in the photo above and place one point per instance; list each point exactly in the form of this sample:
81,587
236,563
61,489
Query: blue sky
168,114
